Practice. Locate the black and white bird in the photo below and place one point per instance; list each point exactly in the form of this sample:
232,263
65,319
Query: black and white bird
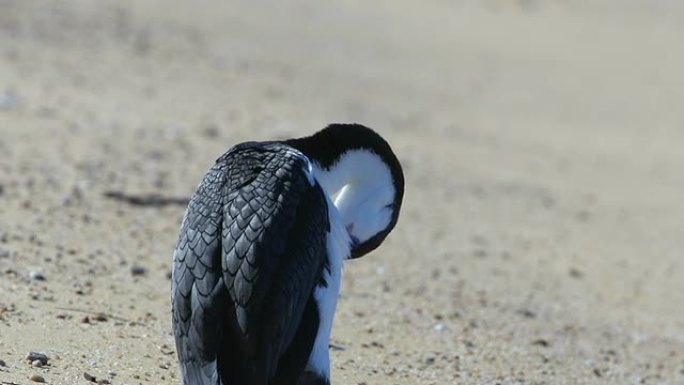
258,264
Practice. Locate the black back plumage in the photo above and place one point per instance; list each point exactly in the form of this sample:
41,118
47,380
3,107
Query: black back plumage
252,247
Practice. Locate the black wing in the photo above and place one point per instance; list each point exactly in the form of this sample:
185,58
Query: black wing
251,248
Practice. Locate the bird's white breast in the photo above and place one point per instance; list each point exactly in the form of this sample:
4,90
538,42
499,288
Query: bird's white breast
338,247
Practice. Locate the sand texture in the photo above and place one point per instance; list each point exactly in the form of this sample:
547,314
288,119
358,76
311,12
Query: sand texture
542,234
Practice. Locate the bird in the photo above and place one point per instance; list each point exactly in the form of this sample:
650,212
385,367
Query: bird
258,263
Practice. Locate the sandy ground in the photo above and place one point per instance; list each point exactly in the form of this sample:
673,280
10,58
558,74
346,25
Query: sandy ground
541,237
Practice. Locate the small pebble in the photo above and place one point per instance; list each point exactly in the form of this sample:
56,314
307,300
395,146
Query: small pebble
211,132
37,363
89,377
33,356
138,270
2,363
37,378
440,327
36,275
575,273
9,100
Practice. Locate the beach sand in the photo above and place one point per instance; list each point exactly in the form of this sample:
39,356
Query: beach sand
541,235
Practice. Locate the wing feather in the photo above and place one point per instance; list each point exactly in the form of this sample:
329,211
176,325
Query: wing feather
250,250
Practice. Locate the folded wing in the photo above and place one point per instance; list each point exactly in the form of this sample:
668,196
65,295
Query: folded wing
251,249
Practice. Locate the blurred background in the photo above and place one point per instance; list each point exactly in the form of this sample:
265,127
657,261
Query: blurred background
541,236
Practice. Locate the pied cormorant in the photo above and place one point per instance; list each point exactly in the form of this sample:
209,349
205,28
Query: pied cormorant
258,264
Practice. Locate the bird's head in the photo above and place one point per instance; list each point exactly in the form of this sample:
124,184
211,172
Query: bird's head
363,178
